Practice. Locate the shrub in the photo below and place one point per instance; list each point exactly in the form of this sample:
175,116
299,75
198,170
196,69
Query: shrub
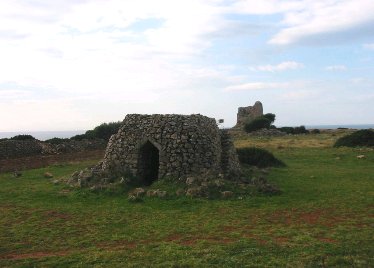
300,130
315,131
103,131
270,116
22,138
56,141
294,130
363,137
258,157
288,130
257,123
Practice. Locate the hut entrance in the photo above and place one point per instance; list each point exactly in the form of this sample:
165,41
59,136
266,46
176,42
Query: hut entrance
148,163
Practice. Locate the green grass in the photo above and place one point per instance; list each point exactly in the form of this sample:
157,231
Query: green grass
324,217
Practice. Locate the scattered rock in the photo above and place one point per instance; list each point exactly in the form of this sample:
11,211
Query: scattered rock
180,192
193,192
138,192
134,199
190,180
161,194
227,194
48,175
361,156
152,193
55,182
17,174
75,175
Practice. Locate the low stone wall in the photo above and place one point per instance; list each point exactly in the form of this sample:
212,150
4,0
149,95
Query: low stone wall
72,146
16,149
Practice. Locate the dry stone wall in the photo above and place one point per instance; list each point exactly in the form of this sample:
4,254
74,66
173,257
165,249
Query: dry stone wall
21,148
14,148
186,144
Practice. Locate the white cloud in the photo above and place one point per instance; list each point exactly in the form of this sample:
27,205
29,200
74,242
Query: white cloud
256,86
287,65
89,55
336,68
310,20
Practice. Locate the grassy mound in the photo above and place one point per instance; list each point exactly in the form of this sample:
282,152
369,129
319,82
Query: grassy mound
363,137
258,157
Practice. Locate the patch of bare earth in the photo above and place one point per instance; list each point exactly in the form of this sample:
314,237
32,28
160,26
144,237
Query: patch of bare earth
33,255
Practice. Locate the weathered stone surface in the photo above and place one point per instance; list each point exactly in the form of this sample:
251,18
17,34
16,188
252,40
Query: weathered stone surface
249,113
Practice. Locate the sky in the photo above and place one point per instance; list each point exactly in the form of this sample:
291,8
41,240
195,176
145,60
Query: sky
73,64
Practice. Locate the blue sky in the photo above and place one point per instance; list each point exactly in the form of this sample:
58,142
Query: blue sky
69,65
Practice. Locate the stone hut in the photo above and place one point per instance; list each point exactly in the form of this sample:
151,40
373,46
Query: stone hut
248,113
150,147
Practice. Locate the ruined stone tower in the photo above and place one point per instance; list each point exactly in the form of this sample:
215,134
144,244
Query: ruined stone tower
249,113
150,147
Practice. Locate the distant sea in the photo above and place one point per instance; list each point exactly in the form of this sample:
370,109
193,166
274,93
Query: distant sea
43,135
363,126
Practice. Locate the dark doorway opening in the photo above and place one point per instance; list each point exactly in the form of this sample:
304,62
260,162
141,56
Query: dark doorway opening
148,163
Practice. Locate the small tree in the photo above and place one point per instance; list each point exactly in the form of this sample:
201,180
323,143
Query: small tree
103,131
270,116
257,123
22,137
364,137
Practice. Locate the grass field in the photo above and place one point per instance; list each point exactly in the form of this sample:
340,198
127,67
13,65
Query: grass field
323,218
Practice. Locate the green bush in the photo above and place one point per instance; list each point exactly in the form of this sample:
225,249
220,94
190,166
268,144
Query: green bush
258,157
22,138
56,141
363,137
103,131
300,130
315,131
270,116
294,130
257,123
288,130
